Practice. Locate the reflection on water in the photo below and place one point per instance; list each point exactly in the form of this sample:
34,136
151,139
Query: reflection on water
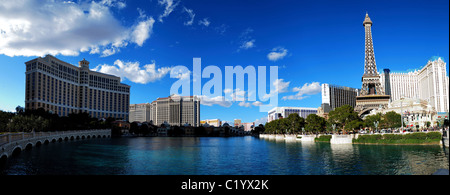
224,156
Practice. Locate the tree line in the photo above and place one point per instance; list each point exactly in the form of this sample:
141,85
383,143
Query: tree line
40,120
343,119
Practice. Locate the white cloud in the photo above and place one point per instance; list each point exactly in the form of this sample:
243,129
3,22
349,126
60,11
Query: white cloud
262,120
246,39
248,44
280,87
248,104
133,71
191,16
257,103
245,104
221,29
112,3
307,89
228,90
37,28
142,31
238,95
169,7
277,53
219,100
204,22
180,74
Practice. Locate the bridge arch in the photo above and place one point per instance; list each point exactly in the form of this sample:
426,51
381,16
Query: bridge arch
38,143
28,146
16,150
3,159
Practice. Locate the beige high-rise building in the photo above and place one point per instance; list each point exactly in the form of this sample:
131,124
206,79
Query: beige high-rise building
140,112
62,88
430,83
176,110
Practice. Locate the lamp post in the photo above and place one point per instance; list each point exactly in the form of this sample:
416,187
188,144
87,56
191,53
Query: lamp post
376,125
401,112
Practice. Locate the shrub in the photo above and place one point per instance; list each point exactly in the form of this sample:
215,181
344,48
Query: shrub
368,138
419,136
412,138
392,136
434,135
323,138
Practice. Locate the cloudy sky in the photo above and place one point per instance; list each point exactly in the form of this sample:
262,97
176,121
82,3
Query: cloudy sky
311,42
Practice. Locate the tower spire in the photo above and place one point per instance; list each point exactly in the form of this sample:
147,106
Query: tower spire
370,66
371,83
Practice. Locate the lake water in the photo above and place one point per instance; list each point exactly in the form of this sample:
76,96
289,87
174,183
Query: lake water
223,156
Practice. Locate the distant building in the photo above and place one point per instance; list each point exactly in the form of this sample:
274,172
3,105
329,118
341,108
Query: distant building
211,122
248,126
283,112
176,110
237,122
337,96
430,83
62,88
140,112
416,112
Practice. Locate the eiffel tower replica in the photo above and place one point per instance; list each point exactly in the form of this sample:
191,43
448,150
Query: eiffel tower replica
372,95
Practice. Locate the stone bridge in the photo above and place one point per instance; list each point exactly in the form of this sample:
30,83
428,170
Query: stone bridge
16,142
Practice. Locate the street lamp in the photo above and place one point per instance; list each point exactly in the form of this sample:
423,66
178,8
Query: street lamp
376,125
401,112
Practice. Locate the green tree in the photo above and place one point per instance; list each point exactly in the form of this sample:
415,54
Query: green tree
342,116
370,119
259,129
294,123
27,123
5,118
283,125
315,123
355,125
134,128
269,127
392,120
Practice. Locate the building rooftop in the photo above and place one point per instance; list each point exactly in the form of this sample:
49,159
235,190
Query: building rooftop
435,58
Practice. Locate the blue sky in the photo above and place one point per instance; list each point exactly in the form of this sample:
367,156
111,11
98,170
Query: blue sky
315,42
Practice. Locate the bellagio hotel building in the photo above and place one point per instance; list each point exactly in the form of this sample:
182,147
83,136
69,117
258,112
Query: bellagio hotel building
62,88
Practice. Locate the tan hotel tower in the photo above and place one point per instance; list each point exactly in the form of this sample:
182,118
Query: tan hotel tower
62,88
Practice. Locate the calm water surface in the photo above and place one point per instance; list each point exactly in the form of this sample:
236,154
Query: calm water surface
223,156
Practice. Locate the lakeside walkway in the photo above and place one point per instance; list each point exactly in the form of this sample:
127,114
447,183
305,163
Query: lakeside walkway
340,138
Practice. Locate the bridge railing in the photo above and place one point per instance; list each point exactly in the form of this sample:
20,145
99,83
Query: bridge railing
11,137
